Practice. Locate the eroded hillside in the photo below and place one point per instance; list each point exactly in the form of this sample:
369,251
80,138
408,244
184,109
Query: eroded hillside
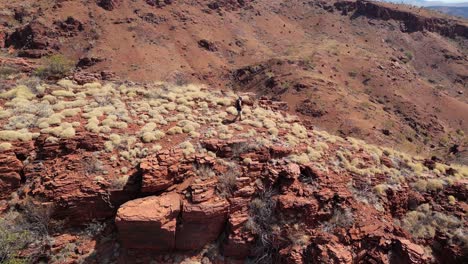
389,74
133,173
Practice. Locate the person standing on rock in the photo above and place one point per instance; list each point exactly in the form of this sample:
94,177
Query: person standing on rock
239,108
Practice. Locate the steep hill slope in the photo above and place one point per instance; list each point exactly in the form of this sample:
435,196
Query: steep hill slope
454,11
157,173
390,74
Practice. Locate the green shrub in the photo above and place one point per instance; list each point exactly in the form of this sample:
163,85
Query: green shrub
262,223
54,67
353,74
408,57
227,182
30,226
423,223
12,239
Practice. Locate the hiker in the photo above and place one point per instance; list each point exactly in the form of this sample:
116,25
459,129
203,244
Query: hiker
239,107
454,149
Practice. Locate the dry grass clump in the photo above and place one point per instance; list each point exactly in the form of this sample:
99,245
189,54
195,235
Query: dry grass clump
325,136
247,161
152,136
63,93
5,113
227,182
356,165
224,132
174,130
253,123
299,131
108,146
92,86
298,237
93,125
61,105
204,172
315,151
20,92
452,200
417,168
423,223
5,146
341,218
187,148
381,189
273,131
435,184
300,159
231,110
17,135
188,126
222,101
424,185
65,130
268,123
54,119
119,183
70,112
21,121
67,84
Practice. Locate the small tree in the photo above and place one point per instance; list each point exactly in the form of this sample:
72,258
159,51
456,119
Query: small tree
29,226
54,67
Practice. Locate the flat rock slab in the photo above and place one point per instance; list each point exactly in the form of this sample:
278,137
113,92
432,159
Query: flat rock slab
149,223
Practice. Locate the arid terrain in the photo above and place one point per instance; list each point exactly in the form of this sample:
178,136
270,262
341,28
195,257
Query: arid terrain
119,141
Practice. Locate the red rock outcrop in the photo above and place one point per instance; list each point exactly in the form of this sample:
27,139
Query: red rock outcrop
168,168
411,20
10,173
68,174
81,142
326,249
239,242
150,222
109,4
34,39
201,223
228,4
20,64
159,3
409,252
70,183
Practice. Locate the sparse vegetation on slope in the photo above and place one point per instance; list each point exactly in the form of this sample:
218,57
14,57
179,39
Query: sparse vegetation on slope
137,122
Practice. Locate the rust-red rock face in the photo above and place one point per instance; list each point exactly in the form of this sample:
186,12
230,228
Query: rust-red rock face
81,142
67,173
34,39
10,173
67,182
411,21
109,4
327,249
156,177
169,168
409,252
201,224
238,244
149,223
